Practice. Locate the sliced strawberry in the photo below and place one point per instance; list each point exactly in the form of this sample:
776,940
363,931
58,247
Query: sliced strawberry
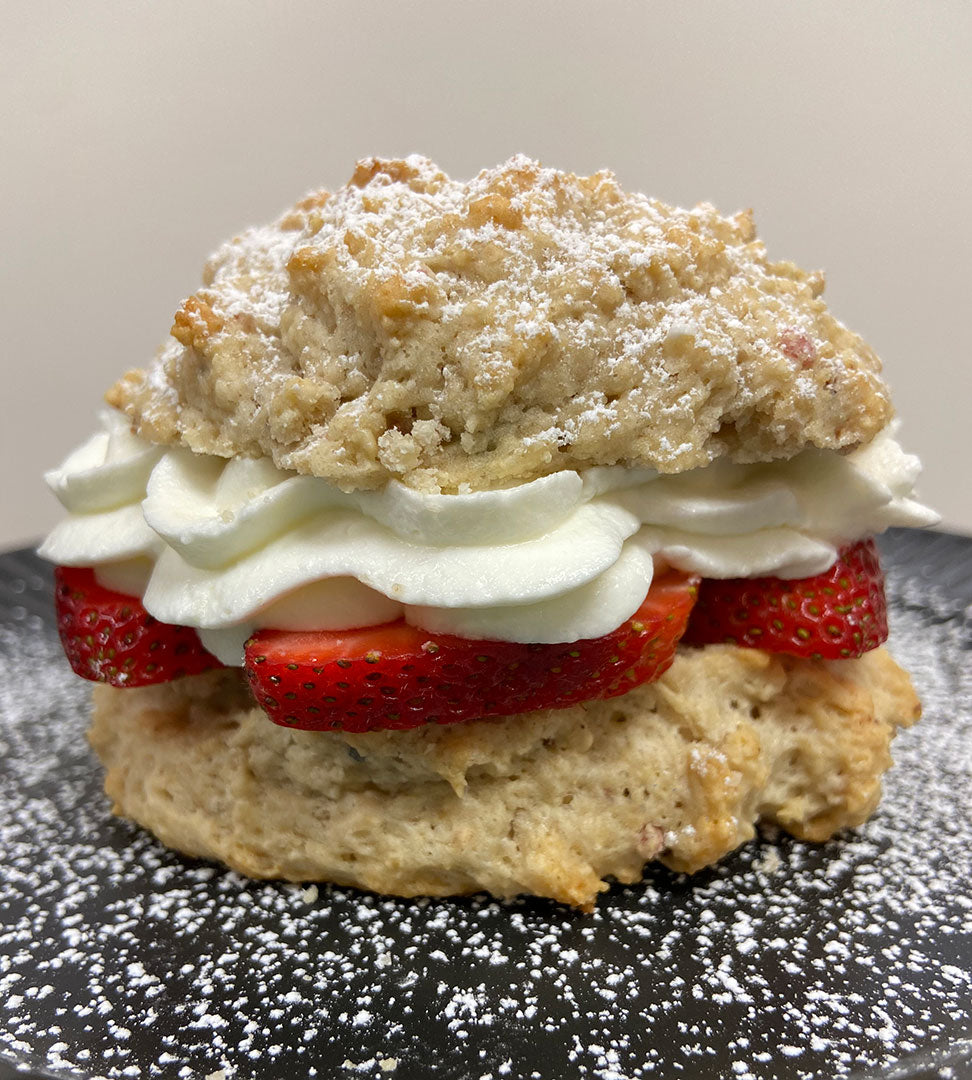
109,637
836,615
397,676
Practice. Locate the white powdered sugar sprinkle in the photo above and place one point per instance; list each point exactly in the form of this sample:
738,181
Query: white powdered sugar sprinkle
120,959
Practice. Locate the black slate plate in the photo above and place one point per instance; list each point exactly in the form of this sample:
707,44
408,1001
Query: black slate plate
120,959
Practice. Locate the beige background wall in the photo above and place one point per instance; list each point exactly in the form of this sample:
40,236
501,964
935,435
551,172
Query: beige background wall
136,136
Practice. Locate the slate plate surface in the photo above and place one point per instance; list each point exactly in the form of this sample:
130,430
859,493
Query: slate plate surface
120,959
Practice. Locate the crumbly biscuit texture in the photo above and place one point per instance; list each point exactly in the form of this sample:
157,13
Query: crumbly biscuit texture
477,335
547,803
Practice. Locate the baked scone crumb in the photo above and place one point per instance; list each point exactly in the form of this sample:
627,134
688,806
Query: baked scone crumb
482,334
548,803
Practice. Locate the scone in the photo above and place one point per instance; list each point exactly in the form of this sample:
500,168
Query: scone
498,535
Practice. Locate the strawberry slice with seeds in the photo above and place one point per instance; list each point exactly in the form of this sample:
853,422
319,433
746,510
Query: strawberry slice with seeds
397,676
110,637
836,615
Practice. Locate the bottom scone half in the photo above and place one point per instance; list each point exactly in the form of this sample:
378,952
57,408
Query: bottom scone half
549,803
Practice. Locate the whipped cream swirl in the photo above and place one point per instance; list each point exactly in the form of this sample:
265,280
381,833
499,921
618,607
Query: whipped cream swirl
231,545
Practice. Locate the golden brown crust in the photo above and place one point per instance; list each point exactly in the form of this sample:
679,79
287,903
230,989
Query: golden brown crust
489,333
549,803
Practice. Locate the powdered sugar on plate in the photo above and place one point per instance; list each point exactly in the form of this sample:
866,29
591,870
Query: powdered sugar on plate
119,959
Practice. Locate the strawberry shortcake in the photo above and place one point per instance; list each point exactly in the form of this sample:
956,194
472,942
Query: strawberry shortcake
503,535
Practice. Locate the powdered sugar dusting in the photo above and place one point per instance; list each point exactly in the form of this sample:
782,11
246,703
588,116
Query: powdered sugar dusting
119,959
490,332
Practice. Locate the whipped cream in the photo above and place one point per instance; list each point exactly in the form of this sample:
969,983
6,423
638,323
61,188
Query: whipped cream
228,546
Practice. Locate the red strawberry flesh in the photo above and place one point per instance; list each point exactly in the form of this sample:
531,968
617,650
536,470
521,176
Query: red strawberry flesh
838,615
397,676
109,637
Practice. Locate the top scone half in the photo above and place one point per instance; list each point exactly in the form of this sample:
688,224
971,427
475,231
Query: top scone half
424,452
